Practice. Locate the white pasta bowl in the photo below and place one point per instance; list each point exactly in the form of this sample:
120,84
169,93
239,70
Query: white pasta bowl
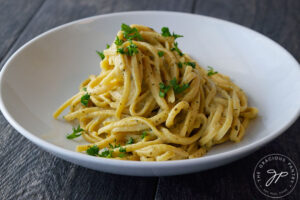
46,71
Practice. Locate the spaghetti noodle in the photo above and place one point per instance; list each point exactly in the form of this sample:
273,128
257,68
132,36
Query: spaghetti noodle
151,102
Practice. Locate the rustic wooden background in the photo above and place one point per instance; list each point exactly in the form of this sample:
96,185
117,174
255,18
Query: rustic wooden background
27,172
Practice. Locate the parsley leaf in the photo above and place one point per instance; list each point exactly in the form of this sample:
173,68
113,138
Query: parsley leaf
76,133
93,151
130,33
101,54
163,89
126,28
111,146
85,99
121,155
118,41
130,141
121,50
132,49
177,88
211,71
144,134
179,65
107,46
176,36
106,153
166,33
192,64
160,53
84,89
176,49
122,149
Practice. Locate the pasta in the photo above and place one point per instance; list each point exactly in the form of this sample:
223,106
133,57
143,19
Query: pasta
152,102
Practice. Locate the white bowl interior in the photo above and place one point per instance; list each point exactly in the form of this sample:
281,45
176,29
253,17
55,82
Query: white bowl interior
48,70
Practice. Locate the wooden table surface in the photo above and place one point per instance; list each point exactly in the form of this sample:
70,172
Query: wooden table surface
27,172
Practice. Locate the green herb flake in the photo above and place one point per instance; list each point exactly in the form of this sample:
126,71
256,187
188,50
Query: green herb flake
175,48
176,36
101,54
76,132
179,65
107,46
163,89
192,64
160,53
121,50
177,88
93,151
122,149
111,146
122,155
130,33
211,71
132,49
162,94
85,99
165,32
144,134
118,41
130,141
106,153
84,89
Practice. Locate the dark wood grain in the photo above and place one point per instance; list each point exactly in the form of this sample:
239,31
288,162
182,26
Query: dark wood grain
27,172
279,20
14,16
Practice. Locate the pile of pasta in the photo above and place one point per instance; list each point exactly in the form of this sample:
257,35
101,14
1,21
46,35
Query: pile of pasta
154,103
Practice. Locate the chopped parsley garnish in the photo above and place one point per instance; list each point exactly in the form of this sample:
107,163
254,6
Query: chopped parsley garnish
211,71
177,88
85,99
144,134
93,151
107,46
179,65
163,89
121,50
192,64
166,33
176,49
122,149
131,49
130,141
101,55
118,41
113,147
160,53
130,33
76,133
121,155
176,36
84,89
106,153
